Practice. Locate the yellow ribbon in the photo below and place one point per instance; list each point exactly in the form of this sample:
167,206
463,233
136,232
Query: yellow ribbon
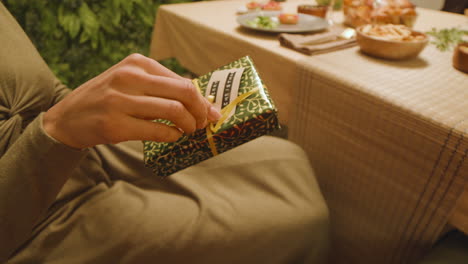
213,128
211,143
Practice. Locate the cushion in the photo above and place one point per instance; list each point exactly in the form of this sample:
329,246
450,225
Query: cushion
27,86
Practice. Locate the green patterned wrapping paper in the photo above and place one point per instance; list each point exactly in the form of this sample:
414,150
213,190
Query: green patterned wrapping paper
255,116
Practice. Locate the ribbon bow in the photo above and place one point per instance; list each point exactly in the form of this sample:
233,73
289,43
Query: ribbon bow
214,127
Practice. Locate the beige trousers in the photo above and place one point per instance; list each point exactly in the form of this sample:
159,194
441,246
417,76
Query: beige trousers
258,203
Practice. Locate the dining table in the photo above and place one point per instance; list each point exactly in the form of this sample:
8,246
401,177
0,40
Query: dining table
388,139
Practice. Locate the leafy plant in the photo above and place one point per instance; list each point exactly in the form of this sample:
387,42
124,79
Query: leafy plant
446,39
81,38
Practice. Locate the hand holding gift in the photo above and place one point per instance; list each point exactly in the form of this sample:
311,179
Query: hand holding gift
247,113
118,105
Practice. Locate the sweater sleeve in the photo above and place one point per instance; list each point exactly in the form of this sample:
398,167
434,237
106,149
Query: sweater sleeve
33,166
61,91
32,172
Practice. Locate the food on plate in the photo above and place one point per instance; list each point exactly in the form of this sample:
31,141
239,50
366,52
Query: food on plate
357,12
361,12
395,12
290,19
392,32
313,10
253,5
264,22
272,6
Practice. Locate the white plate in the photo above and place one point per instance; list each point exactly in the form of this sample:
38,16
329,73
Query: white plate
306,23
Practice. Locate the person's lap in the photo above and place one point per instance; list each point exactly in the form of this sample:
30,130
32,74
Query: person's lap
258,203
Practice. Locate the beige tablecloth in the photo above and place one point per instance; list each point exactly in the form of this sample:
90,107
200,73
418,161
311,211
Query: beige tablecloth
205,35
387,139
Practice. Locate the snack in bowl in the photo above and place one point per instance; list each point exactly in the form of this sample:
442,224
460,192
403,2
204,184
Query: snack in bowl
288,19
392,32
394,15
390,41
361,12
272,6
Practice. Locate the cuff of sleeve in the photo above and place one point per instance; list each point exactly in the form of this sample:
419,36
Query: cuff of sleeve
40,143
52,139
32,171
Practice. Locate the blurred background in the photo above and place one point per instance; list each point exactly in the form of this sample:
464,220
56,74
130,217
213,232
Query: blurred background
81,38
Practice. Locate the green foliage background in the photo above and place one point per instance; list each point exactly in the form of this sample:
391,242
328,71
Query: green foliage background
81,38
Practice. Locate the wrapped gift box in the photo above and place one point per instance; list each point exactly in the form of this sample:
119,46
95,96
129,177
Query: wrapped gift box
247,109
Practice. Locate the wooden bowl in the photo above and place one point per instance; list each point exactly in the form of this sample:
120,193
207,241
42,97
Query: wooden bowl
460,57
313,10
390,49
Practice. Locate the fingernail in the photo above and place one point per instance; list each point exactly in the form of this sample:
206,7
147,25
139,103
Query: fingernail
202,124
213,114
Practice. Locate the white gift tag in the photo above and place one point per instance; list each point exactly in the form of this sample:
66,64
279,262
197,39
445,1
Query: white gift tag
224,87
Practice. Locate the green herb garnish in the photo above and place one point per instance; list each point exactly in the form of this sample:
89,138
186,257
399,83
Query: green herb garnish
446,39
265,22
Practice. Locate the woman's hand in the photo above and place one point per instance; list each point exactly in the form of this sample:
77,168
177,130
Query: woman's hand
119,104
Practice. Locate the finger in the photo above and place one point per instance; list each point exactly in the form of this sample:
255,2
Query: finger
155,68
212,113
150,108
179,90
190,97
148,130
150,66
133,80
